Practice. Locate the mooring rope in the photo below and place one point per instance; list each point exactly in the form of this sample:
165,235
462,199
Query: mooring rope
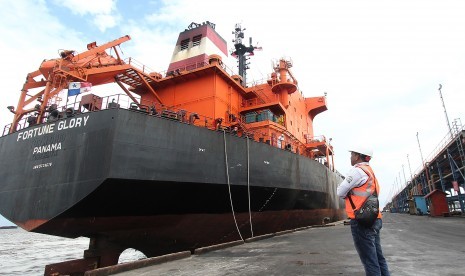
248,184
229,184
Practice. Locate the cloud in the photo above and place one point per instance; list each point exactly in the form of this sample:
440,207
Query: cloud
105,21
27,39
103,12
83,7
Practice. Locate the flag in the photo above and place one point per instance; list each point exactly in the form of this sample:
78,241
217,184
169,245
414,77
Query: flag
76,88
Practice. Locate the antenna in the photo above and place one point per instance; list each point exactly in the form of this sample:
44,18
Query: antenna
421,154
424,164
405,179
445,111
242,52
410,168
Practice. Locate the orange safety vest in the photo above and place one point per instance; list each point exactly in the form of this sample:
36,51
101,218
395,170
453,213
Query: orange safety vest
360,194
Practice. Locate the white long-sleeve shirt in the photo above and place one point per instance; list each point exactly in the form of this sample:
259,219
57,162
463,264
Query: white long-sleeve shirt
354,178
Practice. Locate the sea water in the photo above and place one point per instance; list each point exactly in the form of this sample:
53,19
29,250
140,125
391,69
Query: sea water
24,253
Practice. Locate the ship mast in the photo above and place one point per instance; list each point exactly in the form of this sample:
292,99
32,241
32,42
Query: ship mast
241,52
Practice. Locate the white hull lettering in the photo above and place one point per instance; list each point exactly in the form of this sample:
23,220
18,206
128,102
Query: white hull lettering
38,131
47,148
50,128
74,122
44,165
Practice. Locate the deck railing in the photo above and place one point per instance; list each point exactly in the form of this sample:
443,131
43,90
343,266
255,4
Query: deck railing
448,139
125,102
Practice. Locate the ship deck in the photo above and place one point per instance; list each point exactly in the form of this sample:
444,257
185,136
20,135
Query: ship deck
412,245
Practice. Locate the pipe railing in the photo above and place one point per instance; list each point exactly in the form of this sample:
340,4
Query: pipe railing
125,102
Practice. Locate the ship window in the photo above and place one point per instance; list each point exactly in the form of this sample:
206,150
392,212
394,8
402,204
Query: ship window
184,44
196,40
295,109
291,123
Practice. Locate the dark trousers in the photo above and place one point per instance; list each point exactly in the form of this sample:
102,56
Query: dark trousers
368,245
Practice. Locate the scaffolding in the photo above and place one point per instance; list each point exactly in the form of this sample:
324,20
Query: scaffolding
444,172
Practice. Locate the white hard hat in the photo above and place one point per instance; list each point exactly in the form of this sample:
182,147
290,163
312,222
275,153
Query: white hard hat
362,150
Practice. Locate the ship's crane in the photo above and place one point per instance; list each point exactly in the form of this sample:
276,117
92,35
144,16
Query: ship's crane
94,66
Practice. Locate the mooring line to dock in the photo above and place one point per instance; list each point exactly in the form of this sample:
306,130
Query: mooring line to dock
248,184
229,184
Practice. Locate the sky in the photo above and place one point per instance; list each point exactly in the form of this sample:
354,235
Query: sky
380,62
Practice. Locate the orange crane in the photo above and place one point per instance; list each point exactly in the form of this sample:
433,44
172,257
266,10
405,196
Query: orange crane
94,66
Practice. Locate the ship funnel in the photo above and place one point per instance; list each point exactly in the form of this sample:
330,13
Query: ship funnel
195,45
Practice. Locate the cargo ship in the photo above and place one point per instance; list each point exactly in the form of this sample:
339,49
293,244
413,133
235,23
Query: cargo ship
172,161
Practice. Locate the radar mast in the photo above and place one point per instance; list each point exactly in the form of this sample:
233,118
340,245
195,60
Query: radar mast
242,52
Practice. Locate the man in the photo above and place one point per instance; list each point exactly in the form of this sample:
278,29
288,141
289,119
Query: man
359,183
280,141
234,130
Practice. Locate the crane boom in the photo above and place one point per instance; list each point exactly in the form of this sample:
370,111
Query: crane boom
93,49
93,65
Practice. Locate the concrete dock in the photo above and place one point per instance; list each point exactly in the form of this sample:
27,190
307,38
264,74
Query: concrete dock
413,245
